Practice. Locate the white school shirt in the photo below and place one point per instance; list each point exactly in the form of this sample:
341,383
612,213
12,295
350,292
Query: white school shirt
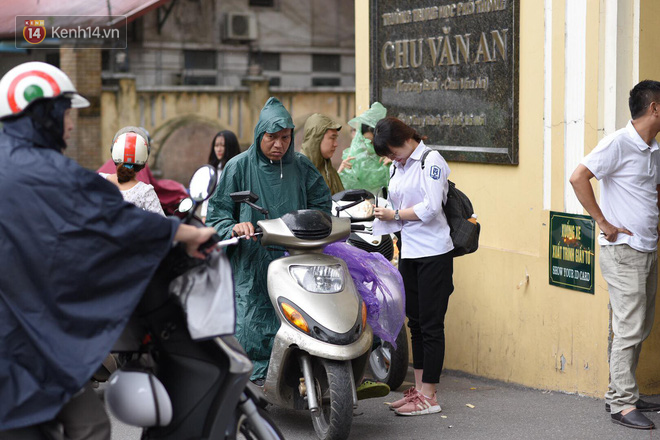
627,168
205,204
424,190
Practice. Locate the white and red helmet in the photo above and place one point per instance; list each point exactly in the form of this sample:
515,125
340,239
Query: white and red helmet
130,148
29,82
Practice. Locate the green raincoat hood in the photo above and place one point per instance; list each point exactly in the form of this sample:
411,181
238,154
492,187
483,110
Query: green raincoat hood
273,118
315,128
370,117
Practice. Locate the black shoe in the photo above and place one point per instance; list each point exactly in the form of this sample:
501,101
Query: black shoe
647,406
641,405
259,382
634,419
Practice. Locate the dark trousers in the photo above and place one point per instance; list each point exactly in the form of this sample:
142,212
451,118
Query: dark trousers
81,418
428,283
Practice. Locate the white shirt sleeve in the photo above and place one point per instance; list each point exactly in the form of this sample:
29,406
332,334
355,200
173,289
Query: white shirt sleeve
204,209
604,159
434,186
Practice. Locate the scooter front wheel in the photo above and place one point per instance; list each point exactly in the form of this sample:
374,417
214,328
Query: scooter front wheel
333,385
246,429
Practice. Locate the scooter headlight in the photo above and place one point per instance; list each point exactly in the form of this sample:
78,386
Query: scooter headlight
319,279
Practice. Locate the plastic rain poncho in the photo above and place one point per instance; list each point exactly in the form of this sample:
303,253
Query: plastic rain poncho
368,171
75,260
282,186
315,129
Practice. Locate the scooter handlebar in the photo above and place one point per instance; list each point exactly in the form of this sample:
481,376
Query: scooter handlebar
215,238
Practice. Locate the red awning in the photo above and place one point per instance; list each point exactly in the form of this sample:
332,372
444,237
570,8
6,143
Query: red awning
78,12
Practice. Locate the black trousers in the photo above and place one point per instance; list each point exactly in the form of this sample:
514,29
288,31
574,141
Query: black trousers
428,283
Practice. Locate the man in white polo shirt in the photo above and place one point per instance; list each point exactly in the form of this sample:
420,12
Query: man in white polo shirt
627,163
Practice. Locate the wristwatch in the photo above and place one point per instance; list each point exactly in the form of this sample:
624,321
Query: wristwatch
396,215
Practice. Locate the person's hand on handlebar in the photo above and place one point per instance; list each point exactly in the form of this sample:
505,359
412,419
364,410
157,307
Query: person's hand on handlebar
245,228
193,238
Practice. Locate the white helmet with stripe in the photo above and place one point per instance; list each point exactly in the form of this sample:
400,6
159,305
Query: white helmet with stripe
130,148
29,82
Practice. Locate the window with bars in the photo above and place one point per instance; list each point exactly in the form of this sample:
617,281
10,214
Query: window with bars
199,59
326,63
269,61
318,82
262,3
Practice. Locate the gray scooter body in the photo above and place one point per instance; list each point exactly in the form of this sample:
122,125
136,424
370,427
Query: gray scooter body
335,319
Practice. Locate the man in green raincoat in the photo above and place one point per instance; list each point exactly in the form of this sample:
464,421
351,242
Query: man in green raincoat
284,181
319,145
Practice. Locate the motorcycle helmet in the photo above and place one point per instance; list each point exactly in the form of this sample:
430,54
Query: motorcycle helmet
130,148
138,398
29,82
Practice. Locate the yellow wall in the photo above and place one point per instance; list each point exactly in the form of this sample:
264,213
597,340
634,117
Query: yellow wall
162,112
499,325
648,372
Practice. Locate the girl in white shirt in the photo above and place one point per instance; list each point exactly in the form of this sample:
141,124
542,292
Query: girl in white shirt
416,196
224,146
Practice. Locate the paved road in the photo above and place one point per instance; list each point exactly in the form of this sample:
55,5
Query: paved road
501,411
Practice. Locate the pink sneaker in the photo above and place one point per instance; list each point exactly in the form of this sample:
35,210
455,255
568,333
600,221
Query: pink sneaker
407,395
419,405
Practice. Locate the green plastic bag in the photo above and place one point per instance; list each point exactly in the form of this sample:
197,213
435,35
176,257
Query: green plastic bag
367,171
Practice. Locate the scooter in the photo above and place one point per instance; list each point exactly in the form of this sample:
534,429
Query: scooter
322,345
172,385
357,205
201,388
386,363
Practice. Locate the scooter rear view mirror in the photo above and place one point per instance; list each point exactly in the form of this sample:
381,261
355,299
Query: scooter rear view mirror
203,183
248,197
244,196
185,205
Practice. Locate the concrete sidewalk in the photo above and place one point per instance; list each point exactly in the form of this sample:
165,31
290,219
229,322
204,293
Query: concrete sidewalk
501,411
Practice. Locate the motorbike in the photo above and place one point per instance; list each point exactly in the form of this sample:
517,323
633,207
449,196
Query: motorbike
386,363
200,387
322,344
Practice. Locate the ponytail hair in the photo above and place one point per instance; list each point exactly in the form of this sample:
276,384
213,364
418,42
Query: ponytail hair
125,174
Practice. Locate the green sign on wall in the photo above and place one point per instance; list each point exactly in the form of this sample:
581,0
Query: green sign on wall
572,251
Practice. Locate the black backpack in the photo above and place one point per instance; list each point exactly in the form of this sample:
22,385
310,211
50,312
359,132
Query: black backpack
458,209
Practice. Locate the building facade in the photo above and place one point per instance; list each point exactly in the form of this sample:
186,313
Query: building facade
193,67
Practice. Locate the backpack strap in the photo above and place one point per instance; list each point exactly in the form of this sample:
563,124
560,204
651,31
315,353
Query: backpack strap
426,153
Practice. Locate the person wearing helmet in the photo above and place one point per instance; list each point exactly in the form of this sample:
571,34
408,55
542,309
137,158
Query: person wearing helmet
75,259
130,152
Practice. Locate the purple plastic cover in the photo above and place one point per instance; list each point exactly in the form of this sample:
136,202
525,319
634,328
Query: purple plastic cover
380,285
